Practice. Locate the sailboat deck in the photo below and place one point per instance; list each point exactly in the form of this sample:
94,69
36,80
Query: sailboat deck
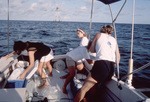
54,90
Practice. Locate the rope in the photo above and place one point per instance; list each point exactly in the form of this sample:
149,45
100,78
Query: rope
135,71
120,10
91,18
8,26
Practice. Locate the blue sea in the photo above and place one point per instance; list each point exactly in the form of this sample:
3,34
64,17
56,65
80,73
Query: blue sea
62,36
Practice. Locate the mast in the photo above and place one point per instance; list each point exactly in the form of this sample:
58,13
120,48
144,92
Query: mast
57,14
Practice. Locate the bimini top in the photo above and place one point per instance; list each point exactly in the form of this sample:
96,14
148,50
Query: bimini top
108,1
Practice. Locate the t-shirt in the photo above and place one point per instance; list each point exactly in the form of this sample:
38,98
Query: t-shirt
79,53
40,48
84,41
105,48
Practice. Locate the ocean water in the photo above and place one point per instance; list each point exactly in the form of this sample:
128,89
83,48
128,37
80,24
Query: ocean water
62,36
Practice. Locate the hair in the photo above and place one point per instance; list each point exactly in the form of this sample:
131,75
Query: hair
84,33
19,46
107,29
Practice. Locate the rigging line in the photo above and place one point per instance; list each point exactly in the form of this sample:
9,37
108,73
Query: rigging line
135,71
120,10
91,18
116,40
8,26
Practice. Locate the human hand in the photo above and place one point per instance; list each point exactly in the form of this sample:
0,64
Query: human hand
90,61
22,76
5,57
116,64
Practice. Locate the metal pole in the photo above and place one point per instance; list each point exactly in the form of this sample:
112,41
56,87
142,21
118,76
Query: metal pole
129,80
8,26
91,18
113,22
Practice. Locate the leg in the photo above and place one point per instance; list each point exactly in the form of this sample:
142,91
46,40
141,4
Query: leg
68,79
65,76
42,74
89,83
49,68
80,66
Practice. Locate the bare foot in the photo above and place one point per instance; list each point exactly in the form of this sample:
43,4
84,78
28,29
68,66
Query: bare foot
50,74
43,86
64,90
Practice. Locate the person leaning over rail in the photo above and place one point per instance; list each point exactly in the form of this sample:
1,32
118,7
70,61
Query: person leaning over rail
36,51
72,62
105,47
74,58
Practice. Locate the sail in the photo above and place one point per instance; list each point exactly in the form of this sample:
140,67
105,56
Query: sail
108,1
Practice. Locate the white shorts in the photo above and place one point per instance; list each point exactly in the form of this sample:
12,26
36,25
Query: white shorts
47,57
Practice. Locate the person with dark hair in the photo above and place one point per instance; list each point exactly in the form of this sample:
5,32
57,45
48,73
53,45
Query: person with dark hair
106,48
36,51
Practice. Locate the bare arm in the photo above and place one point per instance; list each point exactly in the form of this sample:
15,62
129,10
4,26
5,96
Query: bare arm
10,55
31,60
92,48
90,61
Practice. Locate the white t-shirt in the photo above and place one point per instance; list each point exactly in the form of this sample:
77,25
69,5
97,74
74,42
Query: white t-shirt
105,48
79,53
84,41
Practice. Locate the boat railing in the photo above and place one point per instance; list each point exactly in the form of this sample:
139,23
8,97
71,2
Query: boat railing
136,70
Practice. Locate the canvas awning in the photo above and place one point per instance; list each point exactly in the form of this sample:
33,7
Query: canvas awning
108,1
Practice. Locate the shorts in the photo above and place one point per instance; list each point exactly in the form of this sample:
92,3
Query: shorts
70,61
79,62
47,57
102,70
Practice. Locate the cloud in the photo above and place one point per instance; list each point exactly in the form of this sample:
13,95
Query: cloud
33,6
83,8
75,10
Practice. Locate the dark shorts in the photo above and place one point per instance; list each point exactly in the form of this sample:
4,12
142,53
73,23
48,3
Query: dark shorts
102,70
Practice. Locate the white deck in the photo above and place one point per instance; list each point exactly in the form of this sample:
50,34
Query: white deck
54,91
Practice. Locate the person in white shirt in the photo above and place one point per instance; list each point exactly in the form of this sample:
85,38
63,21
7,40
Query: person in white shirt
72,61
82,34
105,47
83,42
74,58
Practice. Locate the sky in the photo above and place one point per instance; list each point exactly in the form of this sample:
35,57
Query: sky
74,10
